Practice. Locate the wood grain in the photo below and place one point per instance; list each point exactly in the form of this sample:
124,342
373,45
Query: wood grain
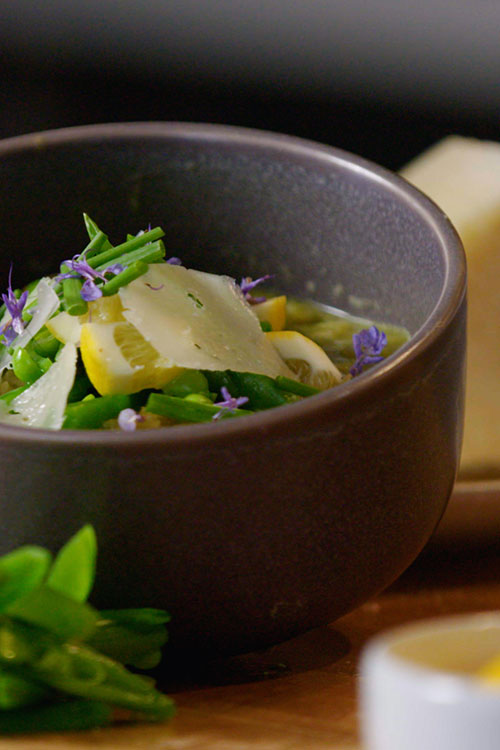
301,694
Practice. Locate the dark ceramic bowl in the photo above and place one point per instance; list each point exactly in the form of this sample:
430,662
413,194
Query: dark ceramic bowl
252,530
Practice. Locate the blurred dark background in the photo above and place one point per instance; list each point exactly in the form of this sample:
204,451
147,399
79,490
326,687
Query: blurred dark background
383,79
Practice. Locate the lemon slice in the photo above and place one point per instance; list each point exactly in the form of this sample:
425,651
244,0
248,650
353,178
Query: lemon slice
65,327
118,359
273,311
305,358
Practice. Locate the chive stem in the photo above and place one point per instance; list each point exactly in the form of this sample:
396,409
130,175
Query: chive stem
72,298
113,253
133,271
152,253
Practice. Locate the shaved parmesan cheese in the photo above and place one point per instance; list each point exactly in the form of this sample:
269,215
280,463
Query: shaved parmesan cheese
199,320
43,403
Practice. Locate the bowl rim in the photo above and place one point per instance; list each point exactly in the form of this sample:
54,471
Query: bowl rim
445,309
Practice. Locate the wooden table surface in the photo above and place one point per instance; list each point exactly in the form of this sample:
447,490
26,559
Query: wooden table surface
301,694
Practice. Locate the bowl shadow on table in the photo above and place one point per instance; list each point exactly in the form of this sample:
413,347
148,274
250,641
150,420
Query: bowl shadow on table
316,649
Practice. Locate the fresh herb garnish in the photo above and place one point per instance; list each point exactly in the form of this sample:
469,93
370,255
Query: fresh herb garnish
229,403
368,345
247,284
62,662
128,419
196,301
14,307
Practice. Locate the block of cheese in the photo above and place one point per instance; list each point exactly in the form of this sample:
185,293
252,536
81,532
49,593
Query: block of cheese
462,175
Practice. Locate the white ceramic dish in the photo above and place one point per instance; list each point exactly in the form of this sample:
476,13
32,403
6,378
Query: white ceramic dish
418,689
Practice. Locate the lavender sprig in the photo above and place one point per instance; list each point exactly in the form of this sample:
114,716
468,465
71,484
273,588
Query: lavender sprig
368,344
247,284
15,307
229,403
79,268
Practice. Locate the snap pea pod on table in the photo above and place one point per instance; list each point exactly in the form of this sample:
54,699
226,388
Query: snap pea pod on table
62,662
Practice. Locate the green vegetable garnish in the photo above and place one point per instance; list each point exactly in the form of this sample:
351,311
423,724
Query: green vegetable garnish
62,662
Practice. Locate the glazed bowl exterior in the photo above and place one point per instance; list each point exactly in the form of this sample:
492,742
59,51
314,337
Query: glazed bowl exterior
252,530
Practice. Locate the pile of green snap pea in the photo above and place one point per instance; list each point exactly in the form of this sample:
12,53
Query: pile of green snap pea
63,664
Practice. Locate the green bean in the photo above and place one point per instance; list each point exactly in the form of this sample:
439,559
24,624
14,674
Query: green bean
261,390
81,386
57,717
198,398
188,381
265,326
105,258
21,571
73,571
181,410
131,272
91,414
293,386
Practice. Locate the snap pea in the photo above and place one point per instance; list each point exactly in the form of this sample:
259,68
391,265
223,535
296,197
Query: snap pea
45,344
73,571
91,414
182,410
55,612
21,571
26,368
128,645
188,381
10,395
16,691
142,620
57,717
79,670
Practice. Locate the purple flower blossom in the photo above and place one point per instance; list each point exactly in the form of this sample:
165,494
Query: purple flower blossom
229,403
247,284
15,307
128,419
368,345
174,261
79,268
